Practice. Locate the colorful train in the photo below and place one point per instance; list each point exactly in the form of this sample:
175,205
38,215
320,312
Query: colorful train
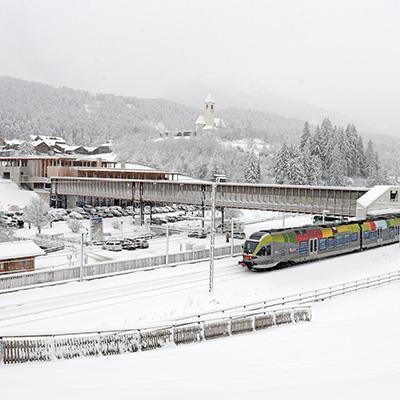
266,249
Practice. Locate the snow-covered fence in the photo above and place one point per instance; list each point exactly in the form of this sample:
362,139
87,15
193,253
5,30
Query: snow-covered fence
300,299
93,271
17,350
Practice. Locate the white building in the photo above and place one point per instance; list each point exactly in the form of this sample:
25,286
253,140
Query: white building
207,120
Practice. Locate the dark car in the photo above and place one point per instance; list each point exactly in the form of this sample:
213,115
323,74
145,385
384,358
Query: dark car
129,245
141,243
198,234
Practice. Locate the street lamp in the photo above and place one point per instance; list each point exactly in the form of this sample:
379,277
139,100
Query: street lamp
212,232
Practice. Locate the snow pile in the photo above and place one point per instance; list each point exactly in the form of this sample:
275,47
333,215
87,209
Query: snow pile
12,197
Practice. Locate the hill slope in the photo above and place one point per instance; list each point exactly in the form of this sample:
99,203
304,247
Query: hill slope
85,118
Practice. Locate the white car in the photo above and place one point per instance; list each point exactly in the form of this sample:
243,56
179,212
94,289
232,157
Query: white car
113,245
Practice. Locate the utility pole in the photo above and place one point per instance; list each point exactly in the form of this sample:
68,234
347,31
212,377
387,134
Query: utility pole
167,245
212,234
81,265
232,245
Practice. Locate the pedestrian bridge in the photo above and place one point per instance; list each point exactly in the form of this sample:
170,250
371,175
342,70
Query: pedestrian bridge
270,197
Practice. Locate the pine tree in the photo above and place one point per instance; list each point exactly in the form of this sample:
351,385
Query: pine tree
318,146
375,172
336,172
297,174
253,170
326,133
306,137
281,164
312,166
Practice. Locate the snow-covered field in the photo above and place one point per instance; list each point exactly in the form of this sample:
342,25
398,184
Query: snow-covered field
348,351
136,299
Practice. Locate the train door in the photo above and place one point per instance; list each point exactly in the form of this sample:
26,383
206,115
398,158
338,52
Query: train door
313,247
396,231
380,235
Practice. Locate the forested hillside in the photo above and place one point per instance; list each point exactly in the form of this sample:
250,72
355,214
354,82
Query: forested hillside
135,125
84,118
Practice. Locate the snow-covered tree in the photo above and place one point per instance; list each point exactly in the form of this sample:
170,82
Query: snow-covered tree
337,169
253,170
6,234
281,164
297,174
306,137
318,144
312,166
375,172
36,213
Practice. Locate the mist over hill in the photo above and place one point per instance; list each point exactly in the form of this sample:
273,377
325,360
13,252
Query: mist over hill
83,118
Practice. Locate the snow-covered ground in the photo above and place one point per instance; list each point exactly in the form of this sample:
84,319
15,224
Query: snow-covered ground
13,198
348,351
139,298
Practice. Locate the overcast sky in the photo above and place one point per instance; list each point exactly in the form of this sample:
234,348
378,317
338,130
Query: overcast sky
342,55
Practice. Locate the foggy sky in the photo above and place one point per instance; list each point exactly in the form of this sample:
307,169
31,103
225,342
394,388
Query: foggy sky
343,55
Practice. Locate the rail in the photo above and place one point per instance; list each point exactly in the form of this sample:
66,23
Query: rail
45,277
23,349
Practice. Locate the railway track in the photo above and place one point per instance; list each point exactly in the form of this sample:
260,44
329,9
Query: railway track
42,309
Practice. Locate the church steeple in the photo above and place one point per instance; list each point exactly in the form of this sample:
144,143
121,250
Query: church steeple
209,111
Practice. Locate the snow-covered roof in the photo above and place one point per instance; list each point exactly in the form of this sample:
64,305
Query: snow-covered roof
13,141
55,139
200,120
19,249
209,99
372,195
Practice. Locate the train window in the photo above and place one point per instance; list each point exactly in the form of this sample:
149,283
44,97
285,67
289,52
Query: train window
261,252
372,235
249,246
346,238
332,242
303,247
339,240
268,250
366,235
322,244
354,237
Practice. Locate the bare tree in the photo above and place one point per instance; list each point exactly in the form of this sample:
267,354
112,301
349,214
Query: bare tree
36,213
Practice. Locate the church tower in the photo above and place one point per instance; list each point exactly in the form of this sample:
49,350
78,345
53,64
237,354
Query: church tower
209,106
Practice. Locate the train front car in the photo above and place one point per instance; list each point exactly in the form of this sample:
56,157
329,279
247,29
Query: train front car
257,252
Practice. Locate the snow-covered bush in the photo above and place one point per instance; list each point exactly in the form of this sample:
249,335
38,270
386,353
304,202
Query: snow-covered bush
75,225
116,224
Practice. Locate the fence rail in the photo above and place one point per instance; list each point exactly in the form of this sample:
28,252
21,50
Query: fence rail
22,349
303,298
92,271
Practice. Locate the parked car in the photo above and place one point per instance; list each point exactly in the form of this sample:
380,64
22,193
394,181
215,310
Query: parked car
239,235
141,243
129,245
197,234
112,245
